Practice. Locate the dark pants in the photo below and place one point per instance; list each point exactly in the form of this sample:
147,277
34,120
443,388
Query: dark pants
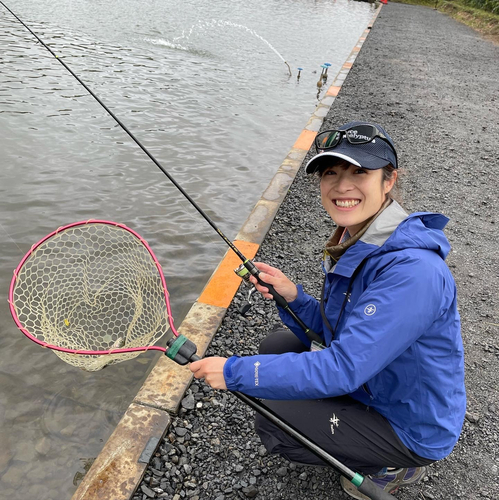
356,435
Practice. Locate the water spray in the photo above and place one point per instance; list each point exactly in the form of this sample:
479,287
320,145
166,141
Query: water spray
222,23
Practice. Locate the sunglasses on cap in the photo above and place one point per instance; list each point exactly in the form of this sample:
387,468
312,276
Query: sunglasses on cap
360,134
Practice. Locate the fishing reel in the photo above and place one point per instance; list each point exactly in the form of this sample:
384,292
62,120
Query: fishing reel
244,273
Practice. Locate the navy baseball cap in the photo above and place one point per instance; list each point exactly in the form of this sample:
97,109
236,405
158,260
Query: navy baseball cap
363,144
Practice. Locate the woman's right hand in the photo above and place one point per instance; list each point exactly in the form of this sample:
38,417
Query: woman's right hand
273,276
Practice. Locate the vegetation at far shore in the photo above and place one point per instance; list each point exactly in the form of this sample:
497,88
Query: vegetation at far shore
483,21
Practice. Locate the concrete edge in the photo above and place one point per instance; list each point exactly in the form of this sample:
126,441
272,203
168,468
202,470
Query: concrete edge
120,466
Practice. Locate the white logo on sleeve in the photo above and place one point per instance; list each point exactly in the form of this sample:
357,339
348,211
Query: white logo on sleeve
257,364
370,310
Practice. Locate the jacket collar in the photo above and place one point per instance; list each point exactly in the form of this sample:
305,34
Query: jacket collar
335,247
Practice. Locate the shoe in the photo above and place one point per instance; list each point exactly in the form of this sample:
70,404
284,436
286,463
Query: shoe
390,482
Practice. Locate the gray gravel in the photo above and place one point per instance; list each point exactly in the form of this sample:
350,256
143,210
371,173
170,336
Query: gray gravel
433,84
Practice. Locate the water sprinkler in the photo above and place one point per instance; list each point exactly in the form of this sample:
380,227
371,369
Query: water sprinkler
327,66
299,71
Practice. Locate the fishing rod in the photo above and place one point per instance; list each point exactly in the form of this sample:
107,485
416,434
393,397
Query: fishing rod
183,351
248,267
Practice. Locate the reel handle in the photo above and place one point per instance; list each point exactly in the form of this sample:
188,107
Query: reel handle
247,268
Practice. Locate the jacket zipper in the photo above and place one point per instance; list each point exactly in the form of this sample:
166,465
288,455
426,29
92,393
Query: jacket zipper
368,392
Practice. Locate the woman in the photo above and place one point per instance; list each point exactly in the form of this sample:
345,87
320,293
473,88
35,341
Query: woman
384,393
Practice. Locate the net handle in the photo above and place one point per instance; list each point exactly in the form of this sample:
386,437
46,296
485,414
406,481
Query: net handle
84,352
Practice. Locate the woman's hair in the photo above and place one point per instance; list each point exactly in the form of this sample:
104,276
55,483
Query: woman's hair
396,191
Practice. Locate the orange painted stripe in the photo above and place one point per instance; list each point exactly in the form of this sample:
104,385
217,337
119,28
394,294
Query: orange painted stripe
333,90
356,49
305,140
348,65
224,283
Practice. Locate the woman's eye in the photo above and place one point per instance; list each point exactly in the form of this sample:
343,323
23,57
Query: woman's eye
329,172
360,171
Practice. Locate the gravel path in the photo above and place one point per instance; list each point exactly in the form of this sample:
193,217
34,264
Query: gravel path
433,84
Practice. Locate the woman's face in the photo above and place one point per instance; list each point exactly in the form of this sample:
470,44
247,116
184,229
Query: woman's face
352,194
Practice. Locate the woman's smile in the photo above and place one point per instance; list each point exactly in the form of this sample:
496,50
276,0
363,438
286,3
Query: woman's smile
346,204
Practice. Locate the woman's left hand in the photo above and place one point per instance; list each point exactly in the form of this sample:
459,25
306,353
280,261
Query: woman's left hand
212,370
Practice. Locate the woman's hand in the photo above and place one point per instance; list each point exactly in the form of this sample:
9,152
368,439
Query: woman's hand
281,283
212,370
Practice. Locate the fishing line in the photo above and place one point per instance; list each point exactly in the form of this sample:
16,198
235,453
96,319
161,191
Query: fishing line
10,237
249,266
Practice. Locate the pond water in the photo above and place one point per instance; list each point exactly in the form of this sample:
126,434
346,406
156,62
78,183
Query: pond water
204,86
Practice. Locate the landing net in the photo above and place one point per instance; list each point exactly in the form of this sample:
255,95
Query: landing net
88,287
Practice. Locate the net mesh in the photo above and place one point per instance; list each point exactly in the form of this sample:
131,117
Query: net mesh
92,287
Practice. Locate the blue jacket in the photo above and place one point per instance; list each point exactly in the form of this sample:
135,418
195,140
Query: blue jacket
397,346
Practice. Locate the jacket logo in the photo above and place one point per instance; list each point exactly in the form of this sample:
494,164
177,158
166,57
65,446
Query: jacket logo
370,310
257,381
334,421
